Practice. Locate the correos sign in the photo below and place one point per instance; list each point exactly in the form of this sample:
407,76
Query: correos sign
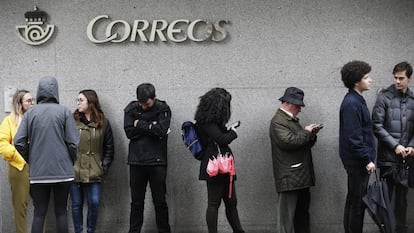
102,29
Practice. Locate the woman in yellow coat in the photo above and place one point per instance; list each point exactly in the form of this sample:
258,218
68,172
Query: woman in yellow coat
18,169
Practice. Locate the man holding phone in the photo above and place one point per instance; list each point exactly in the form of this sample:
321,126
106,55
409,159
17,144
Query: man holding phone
393,119
292,163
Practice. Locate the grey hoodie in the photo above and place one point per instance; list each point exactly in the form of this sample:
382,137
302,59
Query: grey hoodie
47,137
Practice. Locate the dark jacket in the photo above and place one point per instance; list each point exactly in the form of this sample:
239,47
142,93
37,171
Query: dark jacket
47,137
393,119
95,153
291,153
148,140
356,135
213,135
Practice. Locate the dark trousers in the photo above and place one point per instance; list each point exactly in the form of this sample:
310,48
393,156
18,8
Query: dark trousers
139,176
399,193
358,178
293,211
218,190
40,194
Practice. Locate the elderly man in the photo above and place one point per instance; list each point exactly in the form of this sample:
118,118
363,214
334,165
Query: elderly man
292,163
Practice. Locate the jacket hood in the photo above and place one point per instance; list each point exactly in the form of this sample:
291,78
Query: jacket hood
47,90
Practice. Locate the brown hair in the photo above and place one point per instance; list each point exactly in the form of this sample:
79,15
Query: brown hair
94,106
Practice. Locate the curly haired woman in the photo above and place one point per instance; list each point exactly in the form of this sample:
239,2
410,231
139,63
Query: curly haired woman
213,112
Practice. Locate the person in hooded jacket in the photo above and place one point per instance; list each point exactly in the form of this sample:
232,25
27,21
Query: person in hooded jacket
146,125
18,171
95,155
48,140
213,112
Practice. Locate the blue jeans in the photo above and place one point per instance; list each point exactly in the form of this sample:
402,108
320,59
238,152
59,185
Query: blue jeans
78,192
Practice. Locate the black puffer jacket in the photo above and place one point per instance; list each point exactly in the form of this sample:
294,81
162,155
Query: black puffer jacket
148,140
393,119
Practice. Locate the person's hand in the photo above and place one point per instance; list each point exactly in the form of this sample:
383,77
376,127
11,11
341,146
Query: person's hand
370,167
400,150
313,128
410,151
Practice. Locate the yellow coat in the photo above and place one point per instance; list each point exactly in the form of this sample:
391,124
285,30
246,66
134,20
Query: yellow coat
7,131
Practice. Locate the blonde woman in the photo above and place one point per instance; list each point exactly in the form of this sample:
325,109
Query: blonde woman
18,169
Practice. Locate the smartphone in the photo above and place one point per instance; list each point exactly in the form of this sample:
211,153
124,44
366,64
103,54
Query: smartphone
235,124
320,126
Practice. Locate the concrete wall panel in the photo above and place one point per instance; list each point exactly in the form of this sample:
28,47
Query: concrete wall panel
271,45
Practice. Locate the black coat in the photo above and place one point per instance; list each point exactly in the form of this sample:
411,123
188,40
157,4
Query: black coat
148,139
211,136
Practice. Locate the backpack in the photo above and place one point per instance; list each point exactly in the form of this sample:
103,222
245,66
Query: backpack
191,139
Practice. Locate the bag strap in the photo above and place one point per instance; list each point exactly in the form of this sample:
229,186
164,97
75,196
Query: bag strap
218,147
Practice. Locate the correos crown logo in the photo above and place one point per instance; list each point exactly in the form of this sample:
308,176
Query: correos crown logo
34,33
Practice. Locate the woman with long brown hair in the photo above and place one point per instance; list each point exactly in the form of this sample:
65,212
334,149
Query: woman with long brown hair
95,155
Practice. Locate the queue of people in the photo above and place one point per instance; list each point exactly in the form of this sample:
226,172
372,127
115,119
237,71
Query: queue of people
51,150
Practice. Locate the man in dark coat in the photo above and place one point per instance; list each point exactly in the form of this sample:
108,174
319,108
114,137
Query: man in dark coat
147,124
292,163
393,119
356,142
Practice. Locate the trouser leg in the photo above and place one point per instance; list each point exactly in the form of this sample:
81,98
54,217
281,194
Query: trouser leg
231,208
157,180
138,179
399,194
19,185
40,194
286,205
358,179
60,194
302,216
76,196
401,208
214,193
93,198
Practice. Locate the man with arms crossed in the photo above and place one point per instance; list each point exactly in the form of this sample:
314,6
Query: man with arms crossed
147,124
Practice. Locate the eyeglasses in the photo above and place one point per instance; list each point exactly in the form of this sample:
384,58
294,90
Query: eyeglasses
79,100
30,101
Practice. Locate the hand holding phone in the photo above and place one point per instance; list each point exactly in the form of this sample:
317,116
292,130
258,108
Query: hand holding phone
316,128
234,125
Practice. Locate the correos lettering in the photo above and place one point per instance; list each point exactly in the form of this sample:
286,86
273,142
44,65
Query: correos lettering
119,30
